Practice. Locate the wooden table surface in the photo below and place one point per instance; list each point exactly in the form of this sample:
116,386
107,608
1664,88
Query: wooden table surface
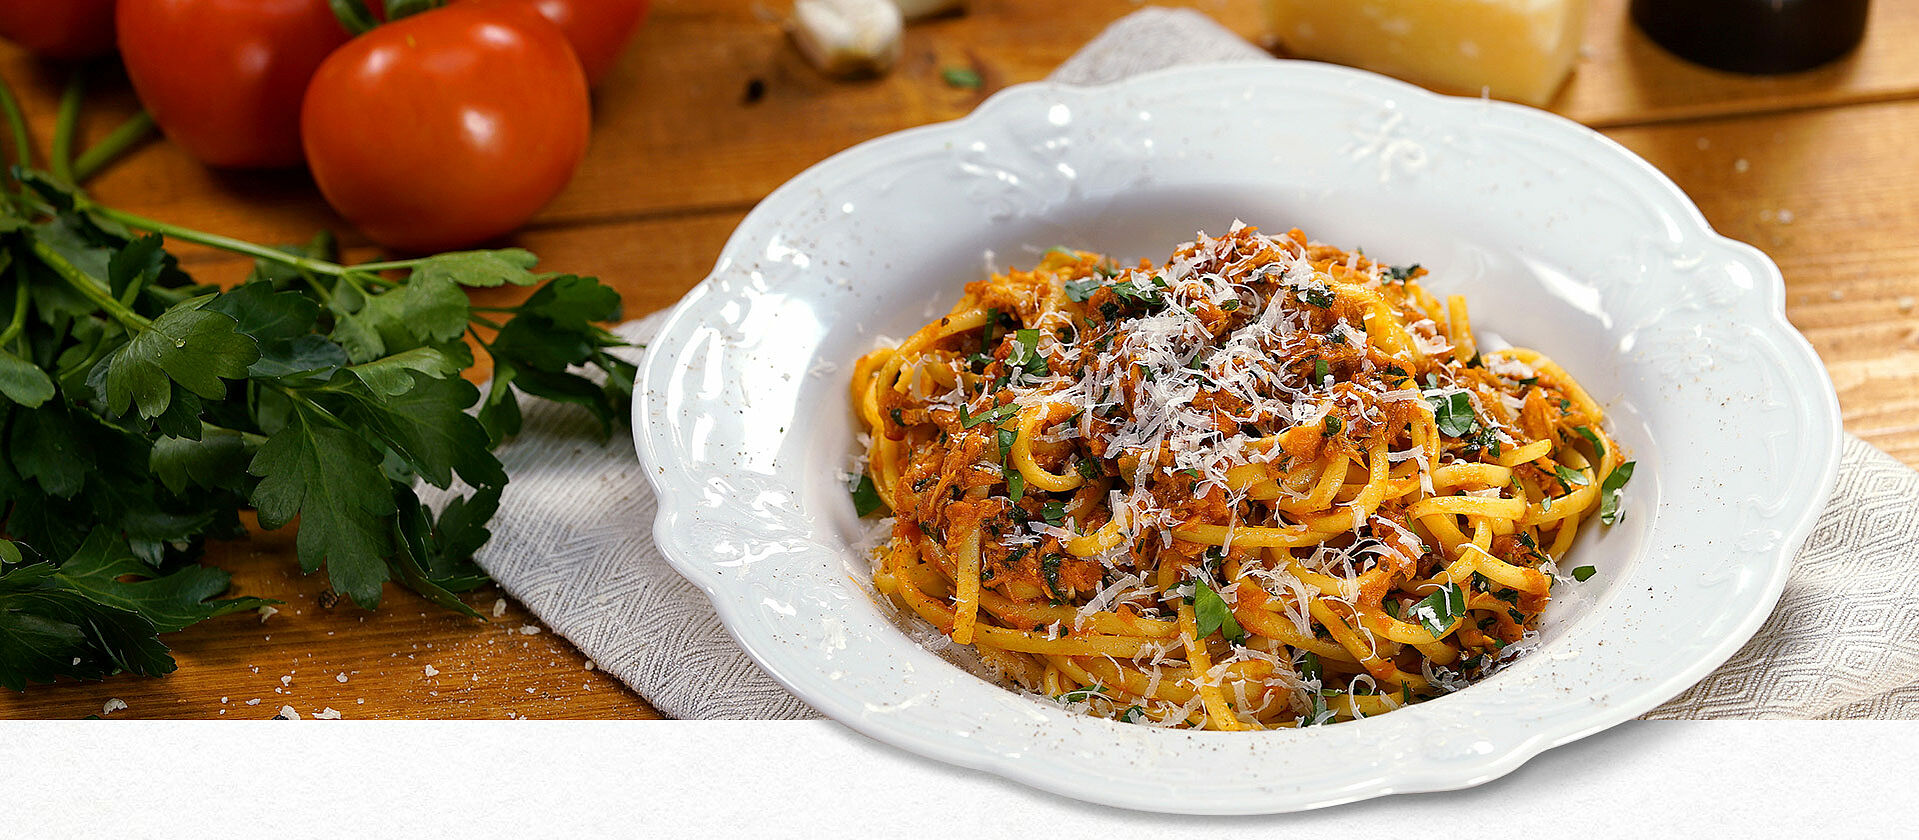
1816,169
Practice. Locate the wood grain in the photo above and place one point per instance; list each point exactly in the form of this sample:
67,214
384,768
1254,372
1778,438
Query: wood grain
1812,168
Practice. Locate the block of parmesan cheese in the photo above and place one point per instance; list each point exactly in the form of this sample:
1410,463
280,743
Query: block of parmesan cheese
1516,49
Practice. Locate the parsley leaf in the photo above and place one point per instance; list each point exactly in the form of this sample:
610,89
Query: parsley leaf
1211,614
1582,573
1610,492
186,344
330,478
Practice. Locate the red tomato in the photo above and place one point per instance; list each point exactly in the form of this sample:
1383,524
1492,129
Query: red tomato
223,78
59,28
598,29
447,127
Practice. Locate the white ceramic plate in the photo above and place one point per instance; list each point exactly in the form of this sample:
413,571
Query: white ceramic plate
1560,239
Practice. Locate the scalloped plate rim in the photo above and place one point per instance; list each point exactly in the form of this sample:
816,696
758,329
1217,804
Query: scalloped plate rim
967,753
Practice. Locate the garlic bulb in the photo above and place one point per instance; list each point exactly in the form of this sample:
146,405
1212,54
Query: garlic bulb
847,38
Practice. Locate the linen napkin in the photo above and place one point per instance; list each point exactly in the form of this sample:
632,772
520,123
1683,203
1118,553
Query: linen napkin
572,539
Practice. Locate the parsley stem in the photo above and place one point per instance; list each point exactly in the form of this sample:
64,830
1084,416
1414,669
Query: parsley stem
211,240
389,265
485,322
88,287
19,321
10,107
124,138
61,158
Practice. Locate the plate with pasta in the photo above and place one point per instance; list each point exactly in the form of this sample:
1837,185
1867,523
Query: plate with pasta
1238,439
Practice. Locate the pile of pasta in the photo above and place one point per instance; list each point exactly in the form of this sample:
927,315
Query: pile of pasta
1265,483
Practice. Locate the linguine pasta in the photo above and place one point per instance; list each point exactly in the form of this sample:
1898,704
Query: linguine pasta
1266,483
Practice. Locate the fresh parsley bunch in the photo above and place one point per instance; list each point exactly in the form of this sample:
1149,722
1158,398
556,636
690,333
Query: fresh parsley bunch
142,413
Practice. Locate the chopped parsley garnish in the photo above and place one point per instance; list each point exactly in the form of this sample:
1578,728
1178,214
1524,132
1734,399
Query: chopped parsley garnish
1599,449
1402,273
1320,715
1570,477
1015,485
1319,296
1212,614
1088,468
1333,425
1309,670
1026,355
968,421
965,78
1438,611
991,331
1454,413
1230,305
1078,291
1053,512
1081,695
1133,714
1583,572
1049,567
866,498
1610,492
1321,372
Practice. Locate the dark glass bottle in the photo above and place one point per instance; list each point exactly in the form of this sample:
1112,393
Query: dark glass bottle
1754,36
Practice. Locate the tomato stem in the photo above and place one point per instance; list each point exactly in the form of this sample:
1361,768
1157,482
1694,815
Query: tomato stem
352,15
129,135
61,158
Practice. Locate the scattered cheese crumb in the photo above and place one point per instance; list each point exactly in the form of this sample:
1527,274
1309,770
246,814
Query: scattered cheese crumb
529,630
1703,144
327,713
499,607
340,676
286,680
113,705
1837,294
1785,217
847,38
432,671
1740,166
287,713
254,702
1906,303
360,702
268,612
223,701
590,666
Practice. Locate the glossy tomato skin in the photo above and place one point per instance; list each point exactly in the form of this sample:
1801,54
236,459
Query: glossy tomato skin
598,29
448,127
59,28
223,78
